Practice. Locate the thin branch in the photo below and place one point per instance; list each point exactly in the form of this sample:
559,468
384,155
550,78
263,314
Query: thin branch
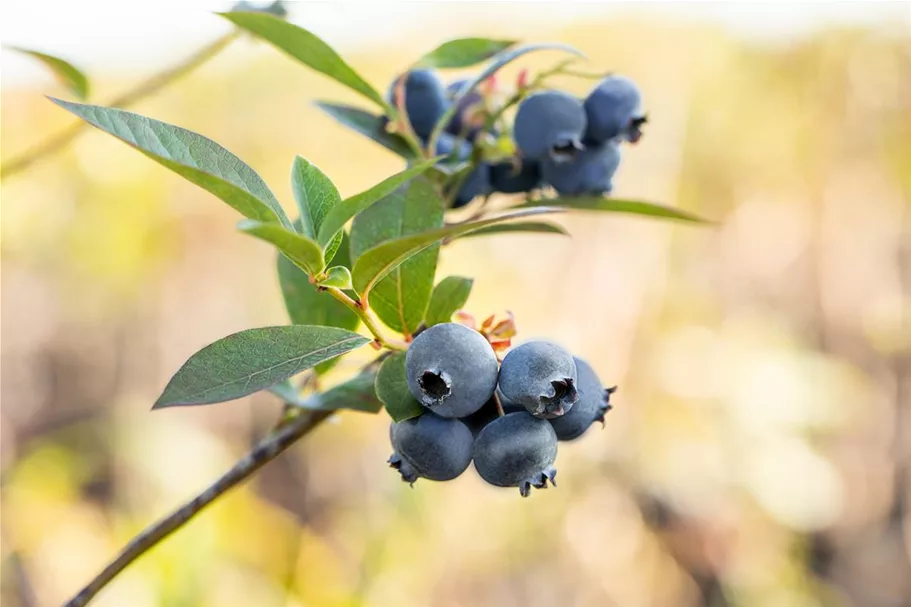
267,450
144,89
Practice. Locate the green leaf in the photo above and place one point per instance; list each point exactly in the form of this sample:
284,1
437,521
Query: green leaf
307,48
307,306
463,52
338,276
65,72
301,250
358,394
315,194
376,263
616,205
252,360
401,298
499,61
191,156
370,125
543,227
392,389
448,297
339,215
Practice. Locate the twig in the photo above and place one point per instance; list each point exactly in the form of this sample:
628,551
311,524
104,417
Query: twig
267,450
144,89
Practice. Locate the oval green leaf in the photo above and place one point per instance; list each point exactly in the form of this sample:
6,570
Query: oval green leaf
616,205
463,52
315,194
338,276
307,48
392,389
301,250
400,299
376,263
65,72
190,155
339,215
253,360
356,394
372,126
540,227
448,297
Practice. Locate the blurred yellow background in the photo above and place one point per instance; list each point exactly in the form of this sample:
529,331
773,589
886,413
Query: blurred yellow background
759,450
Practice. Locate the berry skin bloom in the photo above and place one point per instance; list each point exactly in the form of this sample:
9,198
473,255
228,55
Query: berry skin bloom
549,124
431,447
593,403
541,376
451,369
516,450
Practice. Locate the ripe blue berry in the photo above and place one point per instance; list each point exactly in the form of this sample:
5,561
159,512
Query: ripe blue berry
464,122
430,447
516,450
513,178
593,403
425,100
451,369
549,124
614,111
541,376
589,172
477,182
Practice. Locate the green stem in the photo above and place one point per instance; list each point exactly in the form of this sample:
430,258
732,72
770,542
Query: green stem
364,314
151,85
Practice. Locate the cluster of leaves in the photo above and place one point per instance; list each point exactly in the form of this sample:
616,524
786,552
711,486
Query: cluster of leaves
335,278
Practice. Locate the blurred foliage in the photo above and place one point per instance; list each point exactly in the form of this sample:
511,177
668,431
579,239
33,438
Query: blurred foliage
763,364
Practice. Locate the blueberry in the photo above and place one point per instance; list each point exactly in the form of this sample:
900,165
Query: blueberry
488,413
425,101
549,124
477,182
451,369
516,450
515,177
590,172
613,109
541,376
462,122
593,403
431,447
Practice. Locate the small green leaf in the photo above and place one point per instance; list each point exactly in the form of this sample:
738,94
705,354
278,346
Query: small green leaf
65,72
543,227
377,262
357,394
401,298
463,52
336,219
370,125
301,250
307,306
392,389
338,276
499,61
448,297
307,48
616,205
252,360
191,156
287,392
315,194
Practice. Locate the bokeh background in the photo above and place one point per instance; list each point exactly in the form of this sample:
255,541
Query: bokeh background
759,451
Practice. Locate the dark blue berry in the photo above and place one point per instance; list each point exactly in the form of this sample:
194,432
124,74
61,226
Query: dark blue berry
549,124
515,177
541,376
516,450
425,101
431,447
614,111
589,172
593,403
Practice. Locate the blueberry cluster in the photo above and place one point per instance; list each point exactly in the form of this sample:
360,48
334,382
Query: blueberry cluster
558,140
506,417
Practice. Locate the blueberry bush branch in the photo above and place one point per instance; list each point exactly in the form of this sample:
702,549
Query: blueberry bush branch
371,259
144,89
264,452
